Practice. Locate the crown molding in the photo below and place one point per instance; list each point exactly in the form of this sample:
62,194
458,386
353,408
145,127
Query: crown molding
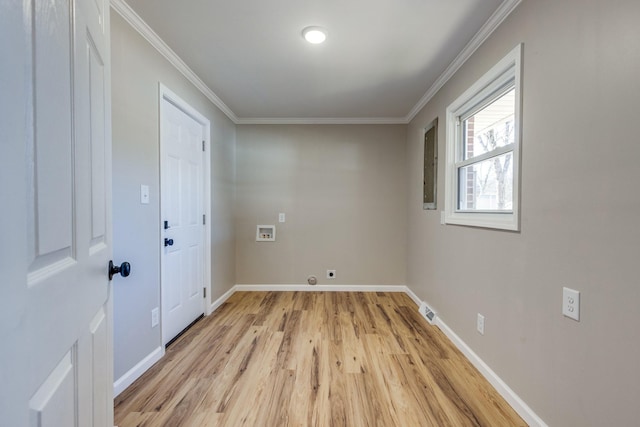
145,31
323,121
481,36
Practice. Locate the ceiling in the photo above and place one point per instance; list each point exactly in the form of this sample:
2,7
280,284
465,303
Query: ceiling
379,59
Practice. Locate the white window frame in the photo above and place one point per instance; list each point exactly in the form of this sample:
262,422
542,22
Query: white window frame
480,94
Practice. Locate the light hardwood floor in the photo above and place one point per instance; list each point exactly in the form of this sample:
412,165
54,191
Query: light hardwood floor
313,359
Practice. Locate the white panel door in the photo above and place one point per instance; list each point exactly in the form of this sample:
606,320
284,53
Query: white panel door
57,349
181,140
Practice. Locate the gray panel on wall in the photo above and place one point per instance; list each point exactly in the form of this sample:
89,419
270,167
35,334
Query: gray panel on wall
430,174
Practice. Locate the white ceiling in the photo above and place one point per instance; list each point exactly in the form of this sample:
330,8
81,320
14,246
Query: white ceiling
380,57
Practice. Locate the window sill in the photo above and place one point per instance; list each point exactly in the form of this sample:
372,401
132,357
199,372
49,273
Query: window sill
498,221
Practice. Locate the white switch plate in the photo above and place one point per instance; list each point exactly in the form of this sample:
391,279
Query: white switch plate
480,324
571,303
155,317
144,194
281,217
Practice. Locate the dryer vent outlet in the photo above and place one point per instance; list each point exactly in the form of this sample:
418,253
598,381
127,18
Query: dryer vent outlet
427,313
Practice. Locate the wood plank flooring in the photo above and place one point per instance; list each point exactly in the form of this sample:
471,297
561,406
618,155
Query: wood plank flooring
313,359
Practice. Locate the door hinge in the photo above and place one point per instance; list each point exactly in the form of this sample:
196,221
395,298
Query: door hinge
202,145
204,219
204,292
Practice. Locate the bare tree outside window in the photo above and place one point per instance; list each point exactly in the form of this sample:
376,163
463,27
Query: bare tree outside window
487,185
500,165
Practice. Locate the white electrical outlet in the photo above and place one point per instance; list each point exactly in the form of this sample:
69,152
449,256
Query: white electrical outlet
571,303
281,217
480,324
155,317
331,274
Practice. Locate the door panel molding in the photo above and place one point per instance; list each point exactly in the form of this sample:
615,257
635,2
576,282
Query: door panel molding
50,161
54,402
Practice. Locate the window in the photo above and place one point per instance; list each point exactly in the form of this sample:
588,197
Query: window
483,150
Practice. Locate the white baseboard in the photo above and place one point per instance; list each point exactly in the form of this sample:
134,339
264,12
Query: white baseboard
413,296
320,288
136,372
217,303
501,387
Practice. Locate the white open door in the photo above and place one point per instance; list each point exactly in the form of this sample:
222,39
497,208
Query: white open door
56,350
184,178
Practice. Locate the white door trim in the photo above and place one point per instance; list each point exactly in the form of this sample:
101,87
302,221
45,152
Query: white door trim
168,95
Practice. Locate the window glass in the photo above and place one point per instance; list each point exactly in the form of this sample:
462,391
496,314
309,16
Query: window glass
487,185
491,127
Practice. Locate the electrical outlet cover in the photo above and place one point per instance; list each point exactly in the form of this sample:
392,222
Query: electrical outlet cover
155,317
480,325
571,303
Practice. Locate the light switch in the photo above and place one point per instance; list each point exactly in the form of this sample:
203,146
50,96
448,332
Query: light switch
144,194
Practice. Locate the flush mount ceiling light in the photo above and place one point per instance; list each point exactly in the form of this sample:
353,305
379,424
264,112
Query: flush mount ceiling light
314,35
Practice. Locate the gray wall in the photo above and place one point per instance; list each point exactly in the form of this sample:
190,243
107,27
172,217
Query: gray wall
136,70
579,212
342,190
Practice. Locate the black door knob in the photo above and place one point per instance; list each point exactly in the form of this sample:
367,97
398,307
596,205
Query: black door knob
168,242
123,269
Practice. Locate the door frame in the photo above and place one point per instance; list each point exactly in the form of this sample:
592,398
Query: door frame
165,94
